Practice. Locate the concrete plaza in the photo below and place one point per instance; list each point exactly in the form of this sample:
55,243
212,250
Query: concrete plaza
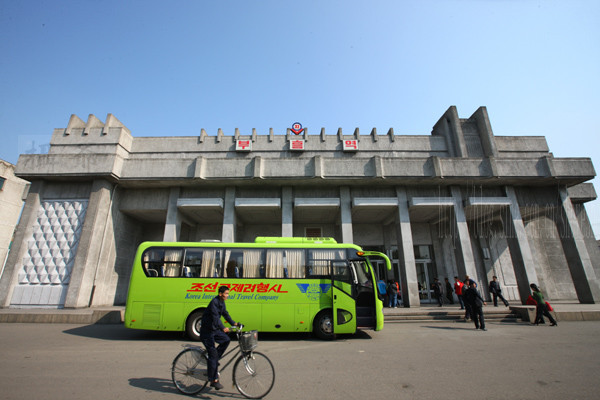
404,361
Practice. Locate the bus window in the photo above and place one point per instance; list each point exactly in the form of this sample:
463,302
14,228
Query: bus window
285,264
341,272
295,263
246,263
318,265
233,264
203,263
275,265
252,266
152,261
172,265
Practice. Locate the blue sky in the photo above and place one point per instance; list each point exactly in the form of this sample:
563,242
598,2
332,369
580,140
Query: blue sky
173,68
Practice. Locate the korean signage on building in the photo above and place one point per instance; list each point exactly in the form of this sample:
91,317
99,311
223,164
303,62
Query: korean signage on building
350,145
297,145
243,145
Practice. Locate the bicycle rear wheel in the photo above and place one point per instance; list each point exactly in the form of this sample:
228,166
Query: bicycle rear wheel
189,371
253,375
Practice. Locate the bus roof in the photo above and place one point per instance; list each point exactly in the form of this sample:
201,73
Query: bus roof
295,240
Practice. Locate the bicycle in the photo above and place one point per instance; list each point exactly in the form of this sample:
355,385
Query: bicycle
253,373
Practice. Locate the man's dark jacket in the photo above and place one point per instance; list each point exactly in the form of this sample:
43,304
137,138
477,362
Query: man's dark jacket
473,297
211,319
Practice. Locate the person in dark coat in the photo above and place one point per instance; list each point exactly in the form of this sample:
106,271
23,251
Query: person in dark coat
437,290
392,291
213,332
466,284
449,291
496,291
476,303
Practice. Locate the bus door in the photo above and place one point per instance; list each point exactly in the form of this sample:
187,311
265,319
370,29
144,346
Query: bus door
344,289
388,266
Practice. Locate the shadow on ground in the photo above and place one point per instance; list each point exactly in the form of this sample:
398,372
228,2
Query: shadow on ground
119,332
167,386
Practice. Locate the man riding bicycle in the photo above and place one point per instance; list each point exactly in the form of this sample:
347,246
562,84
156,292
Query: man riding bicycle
214,332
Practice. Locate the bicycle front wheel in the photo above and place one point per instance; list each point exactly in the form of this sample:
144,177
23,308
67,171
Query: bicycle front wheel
189,371
253,375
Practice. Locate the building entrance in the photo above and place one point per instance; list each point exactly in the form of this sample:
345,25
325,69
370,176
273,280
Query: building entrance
383,275
426,272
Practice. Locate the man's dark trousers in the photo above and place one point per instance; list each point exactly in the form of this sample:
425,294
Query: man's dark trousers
495,295
214,353
460,300
477,316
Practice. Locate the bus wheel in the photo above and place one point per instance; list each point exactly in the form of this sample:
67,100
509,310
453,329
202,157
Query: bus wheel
193,324
323,325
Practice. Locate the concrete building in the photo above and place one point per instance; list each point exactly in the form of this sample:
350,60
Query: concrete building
459,201
12,190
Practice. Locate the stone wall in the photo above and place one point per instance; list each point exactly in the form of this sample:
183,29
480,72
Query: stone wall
11,202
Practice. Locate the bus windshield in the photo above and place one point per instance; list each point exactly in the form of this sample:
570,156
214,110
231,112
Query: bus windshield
362,270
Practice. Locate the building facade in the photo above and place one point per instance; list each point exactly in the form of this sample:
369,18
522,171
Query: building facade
457,202
12,190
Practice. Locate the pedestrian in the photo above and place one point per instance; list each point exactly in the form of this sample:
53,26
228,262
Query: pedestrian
458,289
392,292
382,289
496,291
437,290
541,308
213,332
467,284
476,303
449,291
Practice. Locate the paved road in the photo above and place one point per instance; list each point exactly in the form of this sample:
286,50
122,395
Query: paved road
404,361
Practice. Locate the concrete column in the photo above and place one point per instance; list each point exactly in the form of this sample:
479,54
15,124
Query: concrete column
346,215
90,244
488,142
579,260
19,247
229,219
387,244
287,212
518,244
443,268
465,261
406,253
173,222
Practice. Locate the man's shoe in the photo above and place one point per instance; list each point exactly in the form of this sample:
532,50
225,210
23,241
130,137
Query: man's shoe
483,329
217,385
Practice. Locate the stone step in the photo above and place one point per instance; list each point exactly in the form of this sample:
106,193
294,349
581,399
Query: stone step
455,315
429,319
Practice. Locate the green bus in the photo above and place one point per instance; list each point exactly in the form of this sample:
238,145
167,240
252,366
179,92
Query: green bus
276,285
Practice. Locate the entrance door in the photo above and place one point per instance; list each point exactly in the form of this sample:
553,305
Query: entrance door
380,270
426,272
343,292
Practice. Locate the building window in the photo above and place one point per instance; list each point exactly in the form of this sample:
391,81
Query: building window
2,183
313,232
423,252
